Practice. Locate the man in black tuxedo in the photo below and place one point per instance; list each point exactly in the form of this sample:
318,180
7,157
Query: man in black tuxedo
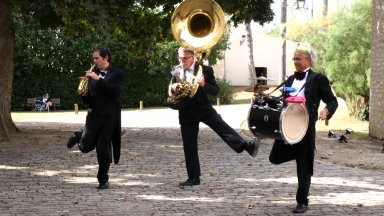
314,87
200,109
103,122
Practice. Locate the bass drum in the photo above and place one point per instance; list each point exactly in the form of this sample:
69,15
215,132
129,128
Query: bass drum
289,123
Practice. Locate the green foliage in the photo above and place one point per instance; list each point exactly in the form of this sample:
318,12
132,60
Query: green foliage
54,41
240,11
49,61
245,11
225,92
275,32
348,53
217,51
149,79
343,43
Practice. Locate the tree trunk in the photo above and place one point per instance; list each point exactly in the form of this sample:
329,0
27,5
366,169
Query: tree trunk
283,38
7,38
325,8
251,64
3,131
376,106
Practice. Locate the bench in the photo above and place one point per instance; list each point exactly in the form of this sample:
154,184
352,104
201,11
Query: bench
55,103
35,104
31,103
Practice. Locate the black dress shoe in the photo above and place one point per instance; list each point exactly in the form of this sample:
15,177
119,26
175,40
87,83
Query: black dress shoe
253,147
300,208
74,139
103,186
190,182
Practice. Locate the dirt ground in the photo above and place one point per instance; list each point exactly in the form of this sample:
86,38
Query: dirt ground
362,153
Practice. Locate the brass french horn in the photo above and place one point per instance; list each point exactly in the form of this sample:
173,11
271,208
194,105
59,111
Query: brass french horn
196,25
82,89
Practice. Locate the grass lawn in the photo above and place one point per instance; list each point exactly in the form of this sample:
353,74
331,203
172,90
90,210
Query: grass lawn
17,116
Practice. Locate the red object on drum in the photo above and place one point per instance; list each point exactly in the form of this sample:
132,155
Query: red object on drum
295,99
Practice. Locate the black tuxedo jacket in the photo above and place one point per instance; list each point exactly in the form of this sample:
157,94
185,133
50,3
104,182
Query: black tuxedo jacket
317,88
103,99
104,94
200,106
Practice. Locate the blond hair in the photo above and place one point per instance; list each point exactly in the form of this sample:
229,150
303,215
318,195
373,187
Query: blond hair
306,50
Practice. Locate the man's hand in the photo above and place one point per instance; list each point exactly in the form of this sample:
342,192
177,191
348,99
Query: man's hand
323,114
201,81
92,75
175,87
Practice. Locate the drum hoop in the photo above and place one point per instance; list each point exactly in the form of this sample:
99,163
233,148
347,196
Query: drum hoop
281,120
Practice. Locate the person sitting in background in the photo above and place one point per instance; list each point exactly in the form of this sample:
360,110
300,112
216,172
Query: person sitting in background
39,104
47,102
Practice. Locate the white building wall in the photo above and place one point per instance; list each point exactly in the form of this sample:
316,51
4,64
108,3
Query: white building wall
266,53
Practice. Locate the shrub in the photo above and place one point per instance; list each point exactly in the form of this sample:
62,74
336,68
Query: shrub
225,93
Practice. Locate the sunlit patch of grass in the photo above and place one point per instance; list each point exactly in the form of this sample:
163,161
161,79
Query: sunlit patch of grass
241,101
17,116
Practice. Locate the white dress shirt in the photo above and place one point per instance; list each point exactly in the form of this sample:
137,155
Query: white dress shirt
298,84
188,72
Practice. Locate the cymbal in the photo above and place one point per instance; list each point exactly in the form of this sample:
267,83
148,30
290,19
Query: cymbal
264,78
261,88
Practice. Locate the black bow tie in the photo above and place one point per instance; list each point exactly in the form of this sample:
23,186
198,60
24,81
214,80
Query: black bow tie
102,74
299,75
186,70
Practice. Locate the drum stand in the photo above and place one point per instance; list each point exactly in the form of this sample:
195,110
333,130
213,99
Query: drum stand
259,90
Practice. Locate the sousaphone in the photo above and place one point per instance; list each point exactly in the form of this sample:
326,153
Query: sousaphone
196,25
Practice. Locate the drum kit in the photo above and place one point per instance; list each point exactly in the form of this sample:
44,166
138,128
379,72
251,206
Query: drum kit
259,87
282,117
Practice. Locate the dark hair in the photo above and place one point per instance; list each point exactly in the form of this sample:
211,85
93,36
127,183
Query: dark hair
104,52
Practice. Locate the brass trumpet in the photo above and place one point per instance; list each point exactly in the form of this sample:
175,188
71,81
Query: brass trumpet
82,89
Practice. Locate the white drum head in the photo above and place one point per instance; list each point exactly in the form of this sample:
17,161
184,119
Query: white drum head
294,122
